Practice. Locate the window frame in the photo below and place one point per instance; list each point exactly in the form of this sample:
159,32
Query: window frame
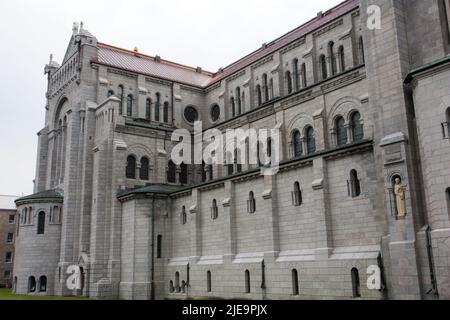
9,257
13,221
8,239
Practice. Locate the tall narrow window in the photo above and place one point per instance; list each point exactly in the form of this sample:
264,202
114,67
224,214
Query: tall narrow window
446,125
356,126
166,112
203,171
31,284
208,281
258,95
131,167
332,58
144,170
362,57
323,67
288,82
239,101
130,105
342,58
237,160
214,210
183,216
177,282
341,132
310,140
356,283
41,223
296,74
210,172
121,97
304,81
10,238
148,108
43,284
233,106
157,106
265,87
269,148
159,247
447,14
251,203
271,92
9,257
355,184
183,173
171,172
447,195
297,198
230,163
247,282
295,289
297,144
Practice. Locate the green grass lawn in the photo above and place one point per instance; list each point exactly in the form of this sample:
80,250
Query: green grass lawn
6,294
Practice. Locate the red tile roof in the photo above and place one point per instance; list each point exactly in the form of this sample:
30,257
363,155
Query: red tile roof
143,64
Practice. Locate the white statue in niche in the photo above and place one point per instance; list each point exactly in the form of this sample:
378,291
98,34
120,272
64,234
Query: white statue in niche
400,192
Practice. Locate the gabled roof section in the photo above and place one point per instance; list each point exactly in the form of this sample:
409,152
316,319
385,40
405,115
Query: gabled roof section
152,66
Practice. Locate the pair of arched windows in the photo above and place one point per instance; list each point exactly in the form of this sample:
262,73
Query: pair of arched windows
172,172
297,142
42,285
177,287
131,168
356,129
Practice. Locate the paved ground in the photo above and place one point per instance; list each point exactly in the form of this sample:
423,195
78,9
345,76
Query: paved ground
6,294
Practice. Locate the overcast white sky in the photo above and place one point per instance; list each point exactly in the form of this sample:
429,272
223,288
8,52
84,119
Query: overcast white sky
206,33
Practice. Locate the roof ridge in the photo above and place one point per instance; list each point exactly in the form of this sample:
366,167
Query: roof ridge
168,62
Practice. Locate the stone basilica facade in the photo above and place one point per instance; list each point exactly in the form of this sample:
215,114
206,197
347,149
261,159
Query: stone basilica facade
364,177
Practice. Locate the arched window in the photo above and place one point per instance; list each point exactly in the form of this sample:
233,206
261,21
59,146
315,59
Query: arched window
258,94
171,172
183,173
265,87
166,112
208,281
148,108
183,286
355,184
183,216
131,167
304,81
203,171
288,82
251,203
362,56
297,198
233,106
341,132
272,94
310,140
120,94
296,74
297,144
210,172
237,160
247,282
41,223
239,102
323,67
269,148
214,210
446,125
342,58
130,105
332,58
159,247
356,126
110,93
145,167
157,106
43,284
171,287
177,282
356,283
295,289
31,284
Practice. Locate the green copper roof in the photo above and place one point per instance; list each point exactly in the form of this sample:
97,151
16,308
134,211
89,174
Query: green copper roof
425,67
56,194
